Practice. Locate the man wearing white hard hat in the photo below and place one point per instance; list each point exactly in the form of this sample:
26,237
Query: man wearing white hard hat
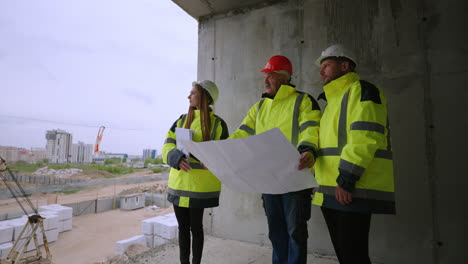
354,168
297,115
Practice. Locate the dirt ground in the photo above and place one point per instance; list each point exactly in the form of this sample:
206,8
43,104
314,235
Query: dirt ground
94,236
220,251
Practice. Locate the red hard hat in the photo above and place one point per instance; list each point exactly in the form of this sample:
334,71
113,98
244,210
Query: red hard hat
278,63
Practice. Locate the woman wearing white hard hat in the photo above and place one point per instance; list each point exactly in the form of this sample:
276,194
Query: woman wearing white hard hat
192,187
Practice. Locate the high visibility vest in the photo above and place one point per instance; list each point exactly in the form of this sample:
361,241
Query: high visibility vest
295,113
197,188
355,148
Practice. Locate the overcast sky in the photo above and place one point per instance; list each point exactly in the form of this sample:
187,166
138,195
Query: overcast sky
78,64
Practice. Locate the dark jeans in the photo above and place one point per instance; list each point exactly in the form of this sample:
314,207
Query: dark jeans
190,219
349,232
287,216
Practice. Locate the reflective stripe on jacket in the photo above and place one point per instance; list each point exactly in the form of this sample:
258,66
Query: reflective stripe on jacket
198,188
295,113
355,148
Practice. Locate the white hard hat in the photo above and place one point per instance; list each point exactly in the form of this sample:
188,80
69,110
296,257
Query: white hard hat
210,87
336,50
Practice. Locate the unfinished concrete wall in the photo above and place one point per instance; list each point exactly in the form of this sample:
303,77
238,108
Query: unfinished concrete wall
445,39
47,180
415,51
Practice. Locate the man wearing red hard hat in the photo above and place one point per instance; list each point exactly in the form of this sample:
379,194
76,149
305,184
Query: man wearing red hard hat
297,115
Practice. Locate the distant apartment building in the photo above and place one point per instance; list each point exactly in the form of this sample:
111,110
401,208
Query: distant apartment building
37,155
59,146
82,153
10,154
149,154
14,154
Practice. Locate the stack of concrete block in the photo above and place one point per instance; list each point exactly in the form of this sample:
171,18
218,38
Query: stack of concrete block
51,225
54,221
64,214
18,225
6,238
31,245
11,230
159,230
6,233
122,245
51,228
156,231
5,250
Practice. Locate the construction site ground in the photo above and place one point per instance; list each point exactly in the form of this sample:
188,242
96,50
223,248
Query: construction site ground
92,241
93,237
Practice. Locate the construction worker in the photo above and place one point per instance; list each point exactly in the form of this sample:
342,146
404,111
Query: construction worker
297,115
354,167
192,187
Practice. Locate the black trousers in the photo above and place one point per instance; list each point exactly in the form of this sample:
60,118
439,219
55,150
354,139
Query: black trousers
190,220
349,232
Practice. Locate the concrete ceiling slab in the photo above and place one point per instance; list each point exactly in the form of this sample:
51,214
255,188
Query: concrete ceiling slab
202,8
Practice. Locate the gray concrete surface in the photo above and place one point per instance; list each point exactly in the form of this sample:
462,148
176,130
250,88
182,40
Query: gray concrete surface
41,179
415,50
158,199
105,204
219,250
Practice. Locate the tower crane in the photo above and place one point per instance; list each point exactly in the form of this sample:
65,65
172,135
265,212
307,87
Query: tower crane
99,138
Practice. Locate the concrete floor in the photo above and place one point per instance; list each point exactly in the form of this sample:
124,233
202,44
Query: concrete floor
219,250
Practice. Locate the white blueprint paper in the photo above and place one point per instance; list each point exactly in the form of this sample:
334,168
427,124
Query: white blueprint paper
264,163
182,135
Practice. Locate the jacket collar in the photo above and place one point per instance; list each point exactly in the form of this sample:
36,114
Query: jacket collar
196,113
340,84
283,92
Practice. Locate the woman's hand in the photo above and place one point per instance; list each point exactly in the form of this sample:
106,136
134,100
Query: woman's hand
306,161
184,165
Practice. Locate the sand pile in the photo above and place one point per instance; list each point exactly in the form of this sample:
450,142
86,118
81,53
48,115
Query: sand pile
156,188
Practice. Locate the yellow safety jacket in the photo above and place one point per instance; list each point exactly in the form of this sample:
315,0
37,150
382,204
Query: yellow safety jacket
198,188
295,113
355,149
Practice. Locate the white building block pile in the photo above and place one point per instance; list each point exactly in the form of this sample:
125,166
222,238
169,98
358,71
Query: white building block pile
6,233
64,213
10,231
122,245
160,230
5,249
156,231
57,219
